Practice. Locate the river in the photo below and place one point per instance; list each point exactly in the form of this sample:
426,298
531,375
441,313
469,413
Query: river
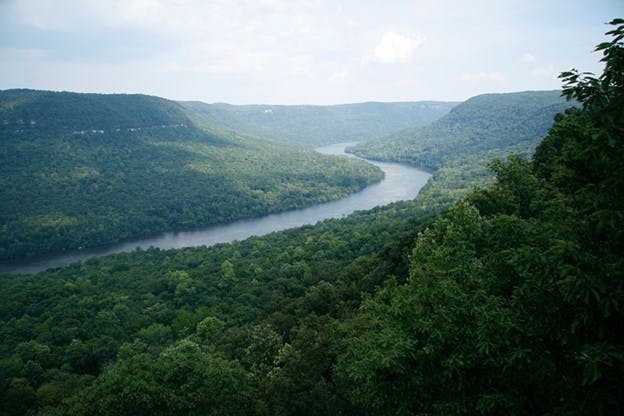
401,183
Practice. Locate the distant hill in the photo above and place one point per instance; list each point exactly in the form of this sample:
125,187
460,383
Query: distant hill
458,146
481,123
68,112
81,170
315,125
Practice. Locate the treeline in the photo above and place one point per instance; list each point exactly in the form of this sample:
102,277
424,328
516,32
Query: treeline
233,307
509,302
482,123
66,189
47,111
316,125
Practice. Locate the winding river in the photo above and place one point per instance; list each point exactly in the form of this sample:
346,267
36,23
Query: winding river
401,183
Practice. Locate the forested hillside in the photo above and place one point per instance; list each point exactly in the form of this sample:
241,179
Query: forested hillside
458,147
486,122
514,298
312,126
507,302
46,112
82,170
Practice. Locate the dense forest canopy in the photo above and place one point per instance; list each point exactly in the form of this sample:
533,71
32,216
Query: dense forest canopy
482,123
458,146
82,170
514,298
507,302
47,111
315,125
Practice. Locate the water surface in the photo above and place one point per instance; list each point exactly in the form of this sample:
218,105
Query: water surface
401,183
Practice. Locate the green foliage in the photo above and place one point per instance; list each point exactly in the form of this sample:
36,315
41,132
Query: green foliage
114,317
601,97
125,177
508,302
514,304
311,126
183,379
512,307
472,129
458,147
24,110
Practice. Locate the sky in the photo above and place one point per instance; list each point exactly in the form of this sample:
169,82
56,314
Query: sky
299,52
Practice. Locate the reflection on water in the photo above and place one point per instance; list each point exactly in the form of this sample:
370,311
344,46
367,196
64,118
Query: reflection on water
400,183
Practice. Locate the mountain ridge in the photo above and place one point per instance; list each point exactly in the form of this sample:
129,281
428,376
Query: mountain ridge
82,170
315,125
458,147
37,109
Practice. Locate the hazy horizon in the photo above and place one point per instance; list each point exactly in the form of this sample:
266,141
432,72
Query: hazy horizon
278,104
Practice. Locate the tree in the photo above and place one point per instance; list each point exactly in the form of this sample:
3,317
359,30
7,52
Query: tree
592,150
183,379
514,304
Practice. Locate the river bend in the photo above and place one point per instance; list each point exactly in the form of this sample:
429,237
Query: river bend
401,183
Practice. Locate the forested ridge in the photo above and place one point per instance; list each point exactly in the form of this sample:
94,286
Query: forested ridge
49,112
458,146
316,125
507,302
482,123
83,170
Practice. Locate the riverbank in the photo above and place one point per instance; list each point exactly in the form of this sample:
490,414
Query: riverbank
401,182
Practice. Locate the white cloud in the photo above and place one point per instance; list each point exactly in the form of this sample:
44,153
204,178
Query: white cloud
395,48
300,64
292,50
546,71
483,76
528,58
207,69
24,53
339,75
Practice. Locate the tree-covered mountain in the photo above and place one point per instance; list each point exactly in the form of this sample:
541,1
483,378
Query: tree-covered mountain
315,125
458,146
82,170
46,111
509,302
514,303
482,123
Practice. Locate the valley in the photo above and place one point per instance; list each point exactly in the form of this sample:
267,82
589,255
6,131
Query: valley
493,285
312,126
127,176
400,183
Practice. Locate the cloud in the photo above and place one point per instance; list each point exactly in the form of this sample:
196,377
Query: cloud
528,58
24,53
291,50
339,75
395,48
483,76
206,69
300,64
546,71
